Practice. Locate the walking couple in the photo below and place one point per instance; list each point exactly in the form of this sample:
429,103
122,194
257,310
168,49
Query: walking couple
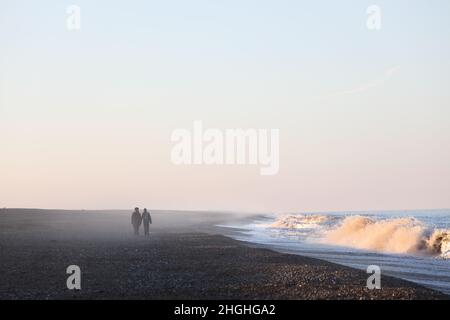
137,219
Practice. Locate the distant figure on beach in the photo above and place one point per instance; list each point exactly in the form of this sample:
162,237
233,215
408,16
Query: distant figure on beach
147,221
136,220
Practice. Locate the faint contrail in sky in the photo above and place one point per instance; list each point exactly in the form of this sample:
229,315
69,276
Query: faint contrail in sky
374,83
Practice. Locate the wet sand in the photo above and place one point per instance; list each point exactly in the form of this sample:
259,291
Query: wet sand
184,258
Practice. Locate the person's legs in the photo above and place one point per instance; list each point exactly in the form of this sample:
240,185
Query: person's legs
146,229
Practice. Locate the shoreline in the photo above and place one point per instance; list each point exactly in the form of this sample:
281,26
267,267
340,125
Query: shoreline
182,259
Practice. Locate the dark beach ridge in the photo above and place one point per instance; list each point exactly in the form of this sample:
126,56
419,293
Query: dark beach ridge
184,258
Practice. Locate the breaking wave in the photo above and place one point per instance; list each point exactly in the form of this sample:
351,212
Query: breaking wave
299,221
396,235
392,235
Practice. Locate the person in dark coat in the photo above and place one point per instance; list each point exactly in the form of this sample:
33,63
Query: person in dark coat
136,220
147,219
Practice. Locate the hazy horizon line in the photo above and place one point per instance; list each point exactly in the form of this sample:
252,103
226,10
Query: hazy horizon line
233,211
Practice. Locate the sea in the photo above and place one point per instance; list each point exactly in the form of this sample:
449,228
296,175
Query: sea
411,244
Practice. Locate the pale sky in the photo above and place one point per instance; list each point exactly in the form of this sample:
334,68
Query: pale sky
86,116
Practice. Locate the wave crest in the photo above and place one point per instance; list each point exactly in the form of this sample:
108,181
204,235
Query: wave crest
301,221
439,243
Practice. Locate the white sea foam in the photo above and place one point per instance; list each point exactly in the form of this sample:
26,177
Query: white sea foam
301,221
390,235
439,242
395,235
